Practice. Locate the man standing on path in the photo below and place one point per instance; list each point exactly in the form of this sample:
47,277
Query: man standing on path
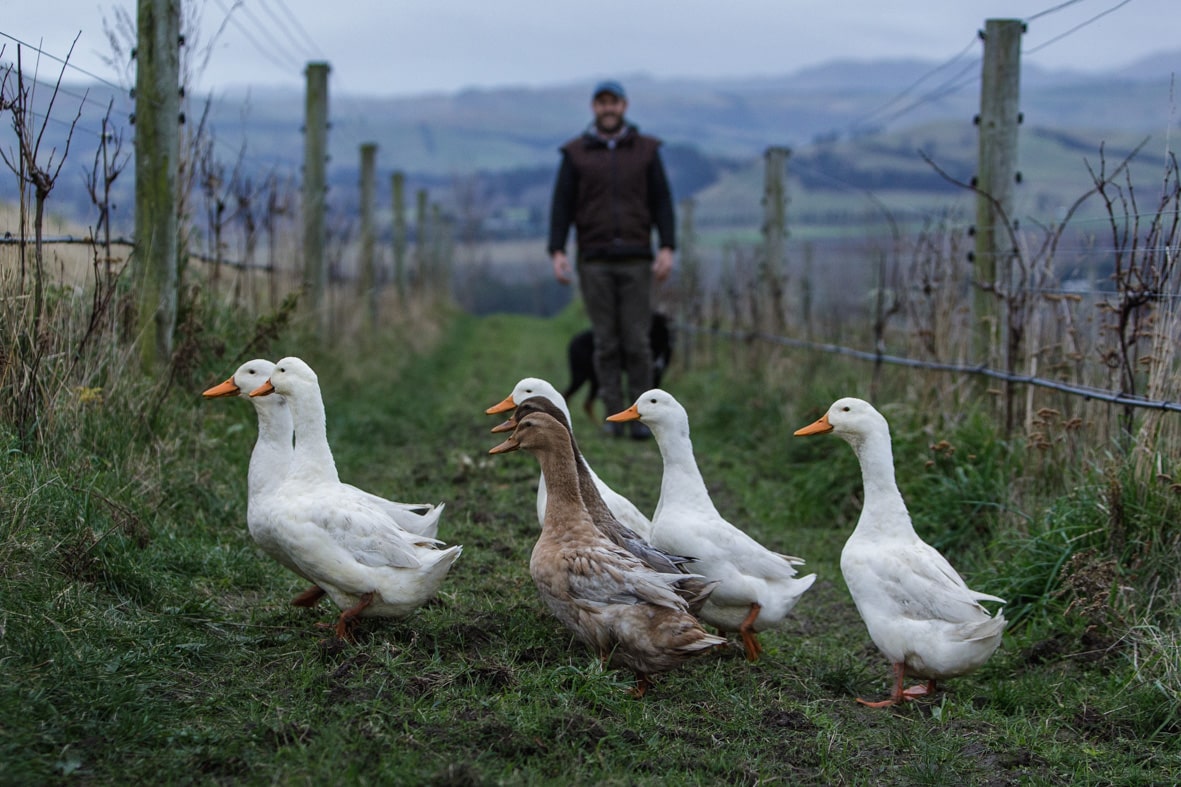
612,187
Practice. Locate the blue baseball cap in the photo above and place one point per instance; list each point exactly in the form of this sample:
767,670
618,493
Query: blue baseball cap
610,86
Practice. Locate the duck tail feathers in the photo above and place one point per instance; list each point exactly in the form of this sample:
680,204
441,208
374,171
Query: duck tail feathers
428,524
695,590
987,629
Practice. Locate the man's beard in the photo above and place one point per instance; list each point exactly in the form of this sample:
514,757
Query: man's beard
609,124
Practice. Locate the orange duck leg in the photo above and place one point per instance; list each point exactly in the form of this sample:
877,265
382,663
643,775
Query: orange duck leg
750,638
347,619
309,597
901,695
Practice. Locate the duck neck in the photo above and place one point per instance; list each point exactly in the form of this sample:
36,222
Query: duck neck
271,459
563,501
591,498
880,487
312,458
682,479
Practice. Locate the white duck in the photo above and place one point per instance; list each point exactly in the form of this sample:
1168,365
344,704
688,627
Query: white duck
346,544
273,450
271,458
625,511
920,613
758,587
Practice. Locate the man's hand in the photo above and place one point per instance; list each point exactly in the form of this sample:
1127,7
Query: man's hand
662,266
561,267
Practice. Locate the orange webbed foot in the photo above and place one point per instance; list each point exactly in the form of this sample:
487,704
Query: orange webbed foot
898,696
878,704
920,690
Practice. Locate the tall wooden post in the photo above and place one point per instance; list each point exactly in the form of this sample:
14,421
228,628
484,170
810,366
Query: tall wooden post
775,233
421,243
775,208
806,290
398,184
996,177
273,208
688,313
368,277
157,155
439,249
315,171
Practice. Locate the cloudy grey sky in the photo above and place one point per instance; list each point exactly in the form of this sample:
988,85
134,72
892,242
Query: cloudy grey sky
400,47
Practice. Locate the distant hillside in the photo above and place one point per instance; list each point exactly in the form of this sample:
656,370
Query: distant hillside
498,129
853,126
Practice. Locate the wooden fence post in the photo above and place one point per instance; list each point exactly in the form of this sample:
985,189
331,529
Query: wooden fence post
315,166
398,183
157,154
775,231
775,207
806,289
368,278
421,242
995,178
690,278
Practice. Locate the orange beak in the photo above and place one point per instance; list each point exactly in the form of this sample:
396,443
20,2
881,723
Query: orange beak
510,444
224,389
818,427
506,404
507,426
630,414
263,390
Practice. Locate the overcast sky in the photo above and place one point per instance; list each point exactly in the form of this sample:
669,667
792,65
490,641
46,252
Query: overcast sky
400,47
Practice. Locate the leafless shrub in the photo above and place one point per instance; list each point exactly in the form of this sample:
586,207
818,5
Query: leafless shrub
109,163
936,284
1020,288
219,186
1144,271
39,173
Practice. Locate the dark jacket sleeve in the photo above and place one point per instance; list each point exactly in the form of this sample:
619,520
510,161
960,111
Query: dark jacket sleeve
561,214
660,203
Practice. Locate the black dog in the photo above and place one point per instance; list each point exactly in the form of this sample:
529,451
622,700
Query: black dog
581,355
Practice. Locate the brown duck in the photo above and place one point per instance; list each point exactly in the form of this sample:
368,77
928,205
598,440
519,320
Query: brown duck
629,614
694,590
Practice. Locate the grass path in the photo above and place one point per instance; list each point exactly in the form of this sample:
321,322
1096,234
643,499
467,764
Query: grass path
168,654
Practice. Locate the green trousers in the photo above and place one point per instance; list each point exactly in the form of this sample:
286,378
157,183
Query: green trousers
618,299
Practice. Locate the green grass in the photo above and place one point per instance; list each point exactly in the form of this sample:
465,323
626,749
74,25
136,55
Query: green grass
144,640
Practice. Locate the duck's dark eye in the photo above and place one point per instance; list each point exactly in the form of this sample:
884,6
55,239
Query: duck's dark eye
652,400
845,409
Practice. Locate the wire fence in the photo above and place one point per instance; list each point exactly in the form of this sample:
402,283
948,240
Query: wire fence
8,239
981,370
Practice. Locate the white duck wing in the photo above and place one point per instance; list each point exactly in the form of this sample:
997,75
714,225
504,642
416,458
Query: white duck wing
722,541
391,505
370,538
406,516
928,587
